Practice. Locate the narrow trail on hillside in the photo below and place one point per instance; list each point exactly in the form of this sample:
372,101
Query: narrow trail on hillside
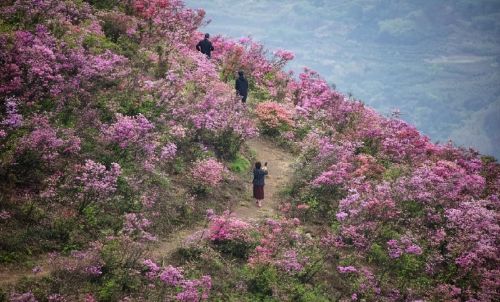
280,171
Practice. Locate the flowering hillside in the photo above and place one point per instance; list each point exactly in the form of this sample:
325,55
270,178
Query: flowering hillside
115,132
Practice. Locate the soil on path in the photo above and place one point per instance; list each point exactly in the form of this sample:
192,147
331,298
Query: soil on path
279,167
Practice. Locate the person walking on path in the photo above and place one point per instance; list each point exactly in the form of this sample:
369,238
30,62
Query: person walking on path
205,46
242,86
259,173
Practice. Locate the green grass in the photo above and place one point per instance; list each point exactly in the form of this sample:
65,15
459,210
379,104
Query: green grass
240,164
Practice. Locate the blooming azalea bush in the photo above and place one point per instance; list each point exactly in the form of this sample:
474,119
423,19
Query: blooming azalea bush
127,130
173,280
395,197
281,245
207,174
231,235
274,117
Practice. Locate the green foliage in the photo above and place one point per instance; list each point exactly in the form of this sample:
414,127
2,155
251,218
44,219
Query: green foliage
179,165
58,29
393,173
370,146
191,253
378,255
110,290
121,258
32,212
67,118
259,94
90,213
104,4
240,164
161,69
235,248
413,208
323,202
5,27
131,104
226,144
61,228
28,171
488,159
306,293
98,44
128,47
261,281
10,257
301,132
387,232
312,202
112,30
409,266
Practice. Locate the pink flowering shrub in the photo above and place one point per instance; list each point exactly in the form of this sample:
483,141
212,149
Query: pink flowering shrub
12,118
135,226
24,297
85,264
336,174
96,179
313,93
39,61
274,117
226,227
402,141
395,198
56,298
207,173
284,55
127,130
281,246
442,182
168,151
177,285
47,142
230,235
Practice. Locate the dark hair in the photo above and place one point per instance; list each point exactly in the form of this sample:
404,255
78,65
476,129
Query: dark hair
240,73
258,165
207,35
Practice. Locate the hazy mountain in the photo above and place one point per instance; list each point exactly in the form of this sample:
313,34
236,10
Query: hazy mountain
437,61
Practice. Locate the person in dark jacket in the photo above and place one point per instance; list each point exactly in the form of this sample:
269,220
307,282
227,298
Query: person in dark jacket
242,86
205,46
259,173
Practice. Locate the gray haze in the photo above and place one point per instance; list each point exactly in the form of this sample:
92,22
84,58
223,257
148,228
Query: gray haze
438,61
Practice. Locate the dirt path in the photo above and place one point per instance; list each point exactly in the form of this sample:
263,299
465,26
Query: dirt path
12,274
279,167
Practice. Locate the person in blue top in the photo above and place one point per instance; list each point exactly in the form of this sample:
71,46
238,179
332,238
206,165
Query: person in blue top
205,46
259,173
